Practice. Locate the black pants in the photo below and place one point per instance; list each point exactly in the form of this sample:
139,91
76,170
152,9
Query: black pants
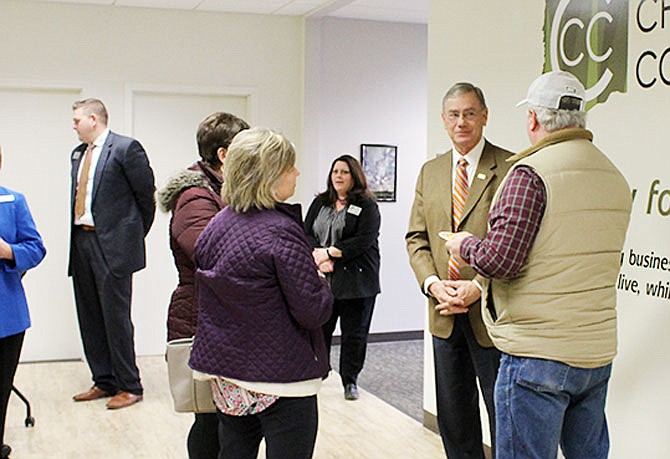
103,310
355,317
289,427
10,350
203,439
459,361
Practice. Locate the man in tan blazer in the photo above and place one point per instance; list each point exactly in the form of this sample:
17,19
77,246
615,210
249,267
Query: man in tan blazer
462,349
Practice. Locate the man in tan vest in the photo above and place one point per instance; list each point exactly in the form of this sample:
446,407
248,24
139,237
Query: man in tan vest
556,229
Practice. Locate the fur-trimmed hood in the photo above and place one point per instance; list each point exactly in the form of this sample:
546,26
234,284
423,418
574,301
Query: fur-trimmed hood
177,184
193,197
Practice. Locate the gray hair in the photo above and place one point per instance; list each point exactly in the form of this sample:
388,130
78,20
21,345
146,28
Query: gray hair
552,119
256,159
463,88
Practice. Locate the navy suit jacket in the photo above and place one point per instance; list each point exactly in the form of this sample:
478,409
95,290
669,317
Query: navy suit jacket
123,203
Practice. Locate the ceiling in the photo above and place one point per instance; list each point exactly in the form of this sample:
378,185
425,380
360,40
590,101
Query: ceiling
412,11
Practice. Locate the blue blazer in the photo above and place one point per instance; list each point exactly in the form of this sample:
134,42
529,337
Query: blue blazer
123,203
17,228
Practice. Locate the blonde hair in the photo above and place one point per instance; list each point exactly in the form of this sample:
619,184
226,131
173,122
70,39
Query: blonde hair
256,159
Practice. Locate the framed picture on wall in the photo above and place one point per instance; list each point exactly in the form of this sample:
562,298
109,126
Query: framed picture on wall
379,164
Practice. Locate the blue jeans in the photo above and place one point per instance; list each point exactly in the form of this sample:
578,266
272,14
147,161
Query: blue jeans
541,403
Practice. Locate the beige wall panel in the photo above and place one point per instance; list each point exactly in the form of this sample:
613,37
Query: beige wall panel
36,138
166,123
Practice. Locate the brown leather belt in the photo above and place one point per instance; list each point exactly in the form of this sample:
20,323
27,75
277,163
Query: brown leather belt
86,227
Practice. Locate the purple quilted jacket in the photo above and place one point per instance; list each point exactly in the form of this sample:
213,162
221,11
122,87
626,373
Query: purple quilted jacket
262,303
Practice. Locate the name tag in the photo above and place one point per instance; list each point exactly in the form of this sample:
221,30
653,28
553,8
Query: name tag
354,210
7,198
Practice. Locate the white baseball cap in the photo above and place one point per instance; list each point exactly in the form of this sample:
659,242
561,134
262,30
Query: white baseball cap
556,90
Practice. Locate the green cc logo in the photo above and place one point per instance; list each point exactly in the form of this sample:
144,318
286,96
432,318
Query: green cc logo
588,38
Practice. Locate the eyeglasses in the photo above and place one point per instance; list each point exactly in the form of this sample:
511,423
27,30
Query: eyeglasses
468,115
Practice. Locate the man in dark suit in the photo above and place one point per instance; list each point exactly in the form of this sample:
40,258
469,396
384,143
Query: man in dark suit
462,349
112,202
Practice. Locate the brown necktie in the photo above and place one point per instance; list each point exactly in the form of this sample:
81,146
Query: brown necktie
460,194
80,195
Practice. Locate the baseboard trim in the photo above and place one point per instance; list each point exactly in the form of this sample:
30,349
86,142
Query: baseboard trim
29,362
389,337
430,421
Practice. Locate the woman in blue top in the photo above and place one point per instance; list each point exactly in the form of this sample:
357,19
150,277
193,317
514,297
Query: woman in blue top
20,249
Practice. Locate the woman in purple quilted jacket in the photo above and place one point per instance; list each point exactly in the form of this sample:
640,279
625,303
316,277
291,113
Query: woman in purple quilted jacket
262,305
194,197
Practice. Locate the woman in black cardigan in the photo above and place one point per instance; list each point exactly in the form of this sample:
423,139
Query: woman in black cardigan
342,226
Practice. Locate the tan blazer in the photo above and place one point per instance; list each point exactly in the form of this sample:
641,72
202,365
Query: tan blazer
431,213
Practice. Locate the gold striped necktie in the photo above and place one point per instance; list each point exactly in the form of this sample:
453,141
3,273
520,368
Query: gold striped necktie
80,195
459,195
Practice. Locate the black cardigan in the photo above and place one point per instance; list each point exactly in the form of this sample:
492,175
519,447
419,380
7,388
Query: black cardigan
356,273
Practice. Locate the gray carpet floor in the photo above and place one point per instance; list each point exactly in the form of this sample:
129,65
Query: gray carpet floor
393,371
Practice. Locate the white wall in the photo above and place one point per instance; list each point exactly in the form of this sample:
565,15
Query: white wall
499,46
366,83
159,72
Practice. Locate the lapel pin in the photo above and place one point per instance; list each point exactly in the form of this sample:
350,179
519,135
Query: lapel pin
481,176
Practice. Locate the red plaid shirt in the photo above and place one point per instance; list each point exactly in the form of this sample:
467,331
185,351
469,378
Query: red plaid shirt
514,221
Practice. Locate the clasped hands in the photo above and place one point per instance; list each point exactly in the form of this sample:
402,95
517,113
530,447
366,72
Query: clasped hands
454,296
323,260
